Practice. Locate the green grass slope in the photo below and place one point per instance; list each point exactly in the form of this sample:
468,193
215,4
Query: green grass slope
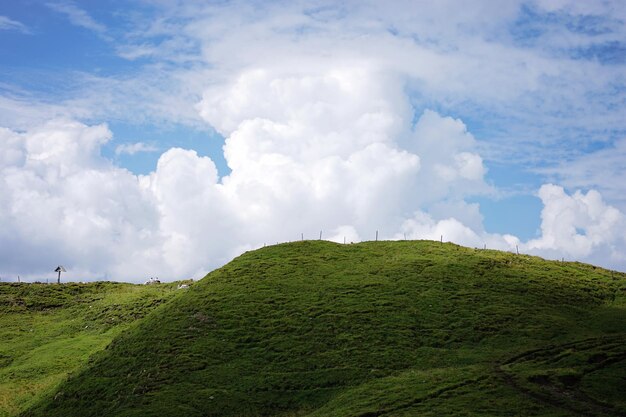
372,329
48,331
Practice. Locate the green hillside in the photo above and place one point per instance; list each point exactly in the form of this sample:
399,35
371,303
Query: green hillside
48,331
373,329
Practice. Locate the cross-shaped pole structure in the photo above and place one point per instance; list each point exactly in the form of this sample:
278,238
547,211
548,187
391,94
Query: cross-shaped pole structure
59,270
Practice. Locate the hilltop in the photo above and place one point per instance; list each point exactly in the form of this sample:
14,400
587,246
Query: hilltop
372,329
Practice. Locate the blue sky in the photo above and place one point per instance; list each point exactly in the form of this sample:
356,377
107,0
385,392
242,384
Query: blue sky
498,124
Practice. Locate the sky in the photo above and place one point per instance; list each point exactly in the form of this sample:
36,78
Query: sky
163,137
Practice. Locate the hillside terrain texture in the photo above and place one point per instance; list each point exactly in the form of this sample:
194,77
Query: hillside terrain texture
49,331
318,329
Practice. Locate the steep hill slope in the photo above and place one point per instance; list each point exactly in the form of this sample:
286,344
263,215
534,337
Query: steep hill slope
372,329
48,331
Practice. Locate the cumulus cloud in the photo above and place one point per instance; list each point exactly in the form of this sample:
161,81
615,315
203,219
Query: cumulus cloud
578,225
452,168
63,203
313,149
423,226
290,174
331,149
341,139
327,126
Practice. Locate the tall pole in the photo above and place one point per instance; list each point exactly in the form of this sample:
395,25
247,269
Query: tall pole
59,277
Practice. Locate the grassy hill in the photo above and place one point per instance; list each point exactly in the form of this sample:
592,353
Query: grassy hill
372,329
48,331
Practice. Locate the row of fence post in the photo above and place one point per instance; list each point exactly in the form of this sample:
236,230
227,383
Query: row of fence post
405,238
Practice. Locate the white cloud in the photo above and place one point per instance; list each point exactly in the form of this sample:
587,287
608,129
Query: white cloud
289,177
477,64
463,60
451,166
78,16
133,148
343,234
6,23
602,170
62,203
423,226
578,225
323,114
317,147
21,114
12,150
133,52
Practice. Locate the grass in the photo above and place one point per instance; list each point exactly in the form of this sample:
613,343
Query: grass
371,329
49,331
